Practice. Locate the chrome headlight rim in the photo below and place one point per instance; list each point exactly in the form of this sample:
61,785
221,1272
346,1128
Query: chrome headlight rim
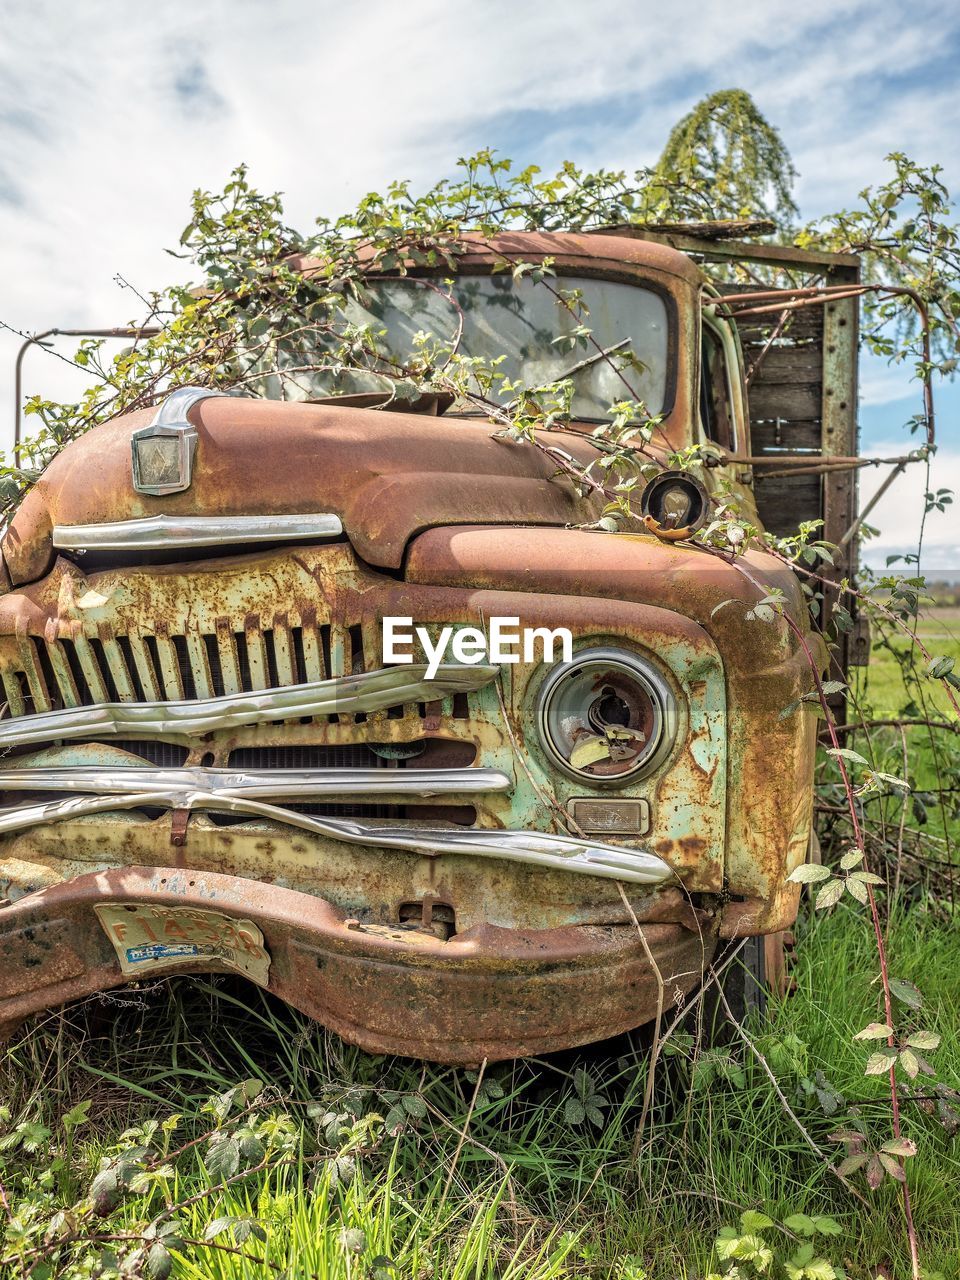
658,489
652,682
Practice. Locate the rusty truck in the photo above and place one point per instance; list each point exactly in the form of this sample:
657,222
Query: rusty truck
208,766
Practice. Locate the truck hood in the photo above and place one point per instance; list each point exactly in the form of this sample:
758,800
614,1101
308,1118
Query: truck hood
388,476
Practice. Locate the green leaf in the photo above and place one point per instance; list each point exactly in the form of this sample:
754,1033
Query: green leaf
937,668
906,993
910,1063
217,1227
247,1227
76,1115
874,1031
893,782
900,1147
809,873
352,1240
158,1263
800,1224
847,753
923,1040
415,1106
252,1149
574,1111
752,1220
851,859
223,1157
395,1121
105,1191
880,1062
827,1226
829,895
892,1166
857,890
820,1269
342,1170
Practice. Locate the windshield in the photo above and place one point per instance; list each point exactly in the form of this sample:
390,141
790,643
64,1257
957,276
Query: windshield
540,336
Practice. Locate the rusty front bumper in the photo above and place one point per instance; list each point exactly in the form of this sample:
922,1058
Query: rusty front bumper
488,993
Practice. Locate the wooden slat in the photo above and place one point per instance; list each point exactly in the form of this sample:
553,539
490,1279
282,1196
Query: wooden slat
803,325
738,250
793,402
790,365
786,501
785,437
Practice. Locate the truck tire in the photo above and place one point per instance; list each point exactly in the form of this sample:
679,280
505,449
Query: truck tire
755,973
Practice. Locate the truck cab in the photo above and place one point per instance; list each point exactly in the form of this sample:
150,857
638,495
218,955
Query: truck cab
213,763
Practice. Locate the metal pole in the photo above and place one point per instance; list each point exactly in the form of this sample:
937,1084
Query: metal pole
38,340
852,531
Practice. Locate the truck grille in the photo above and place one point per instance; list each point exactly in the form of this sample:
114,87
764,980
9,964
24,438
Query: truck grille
50,675
152,667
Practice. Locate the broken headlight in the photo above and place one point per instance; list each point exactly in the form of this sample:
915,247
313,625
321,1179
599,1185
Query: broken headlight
605,716
676,500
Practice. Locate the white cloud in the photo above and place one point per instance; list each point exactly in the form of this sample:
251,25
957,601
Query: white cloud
882,383
111,115
897,515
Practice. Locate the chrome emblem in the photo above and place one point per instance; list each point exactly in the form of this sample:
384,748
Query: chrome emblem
162,453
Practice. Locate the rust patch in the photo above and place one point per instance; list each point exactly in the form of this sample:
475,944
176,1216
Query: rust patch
489,993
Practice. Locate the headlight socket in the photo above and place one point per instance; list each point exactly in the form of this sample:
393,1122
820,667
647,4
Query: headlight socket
607,717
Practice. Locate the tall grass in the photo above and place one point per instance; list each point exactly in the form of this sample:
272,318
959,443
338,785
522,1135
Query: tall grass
524,1193
489,1177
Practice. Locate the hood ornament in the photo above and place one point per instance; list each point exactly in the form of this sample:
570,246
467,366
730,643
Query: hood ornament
162,453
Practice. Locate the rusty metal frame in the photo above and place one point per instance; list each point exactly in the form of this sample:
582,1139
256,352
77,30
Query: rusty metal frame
536,959
37,339
371,691
486,993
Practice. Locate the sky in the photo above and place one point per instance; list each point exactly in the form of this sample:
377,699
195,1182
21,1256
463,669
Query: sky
112,114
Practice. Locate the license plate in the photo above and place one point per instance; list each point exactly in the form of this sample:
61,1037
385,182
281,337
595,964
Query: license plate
147,937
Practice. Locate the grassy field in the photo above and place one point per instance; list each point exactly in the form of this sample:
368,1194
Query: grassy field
345,1165
895,685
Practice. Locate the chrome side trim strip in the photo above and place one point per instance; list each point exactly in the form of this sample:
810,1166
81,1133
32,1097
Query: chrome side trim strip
253,783
633,866
372,691
160,532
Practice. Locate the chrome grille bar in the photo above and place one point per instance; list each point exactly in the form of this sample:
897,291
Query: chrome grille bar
371,691
253,783
157,533
633,866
